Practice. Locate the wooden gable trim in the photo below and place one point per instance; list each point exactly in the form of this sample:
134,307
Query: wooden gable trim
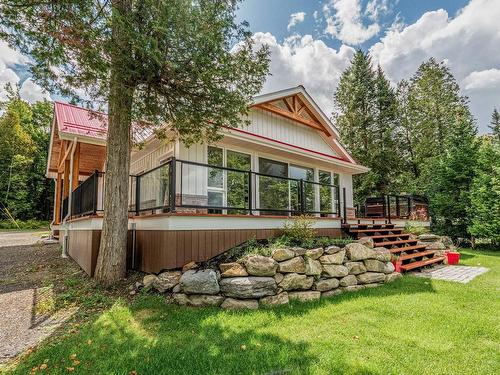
295,106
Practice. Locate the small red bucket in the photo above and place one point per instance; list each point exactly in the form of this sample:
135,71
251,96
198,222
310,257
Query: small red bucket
453,257
397,265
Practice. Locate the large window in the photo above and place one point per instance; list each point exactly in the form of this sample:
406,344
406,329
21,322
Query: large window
227,188
305,174
273,187
328,194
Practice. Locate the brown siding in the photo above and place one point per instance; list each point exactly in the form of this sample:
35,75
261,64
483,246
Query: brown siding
157,250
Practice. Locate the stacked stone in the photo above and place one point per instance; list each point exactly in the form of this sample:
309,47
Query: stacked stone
289,274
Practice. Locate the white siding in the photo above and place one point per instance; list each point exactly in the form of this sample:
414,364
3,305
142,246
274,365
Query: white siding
272,126
194,178
346,182
149,157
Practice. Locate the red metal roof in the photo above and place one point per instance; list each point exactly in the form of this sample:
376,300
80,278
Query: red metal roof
85,122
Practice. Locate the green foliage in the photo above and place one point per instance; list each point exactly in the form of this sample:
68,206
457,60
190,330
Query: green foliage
366,113
332,241
485,192
449,179
495,124
299,231
24,139
415,229
24,224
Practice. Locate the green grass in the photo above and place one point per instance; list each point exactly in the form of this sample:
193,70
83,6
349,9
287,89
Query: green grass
413,326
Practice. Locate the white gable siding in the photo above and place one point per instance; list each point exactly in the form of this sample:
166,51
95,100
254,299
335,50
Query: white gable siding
149,157
272,126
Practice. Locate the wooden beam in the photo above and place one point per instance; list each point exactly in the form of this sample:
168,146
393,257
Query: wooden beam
65,158
76,167
57,208
288,105
291,116
66,179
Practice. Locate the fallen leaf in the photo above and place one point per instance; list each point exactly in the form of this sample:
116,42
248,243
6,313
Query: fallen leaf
70,369
133,372
76,362
355,337
243,347
43,366
72,356
89,342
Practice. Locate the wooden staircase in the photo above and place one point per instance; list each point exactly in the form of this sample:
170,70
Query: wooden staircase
411,255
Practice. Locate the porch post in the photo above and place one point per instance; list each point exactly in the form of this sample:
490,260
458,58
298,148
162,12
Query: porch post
57,209
76,167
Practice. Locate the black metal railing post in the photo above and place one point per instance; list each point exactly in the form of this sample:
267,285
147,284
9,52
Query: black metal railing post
137,195
398,212
95,197
338,200
344,206
389,208
250,193
302,197
172,180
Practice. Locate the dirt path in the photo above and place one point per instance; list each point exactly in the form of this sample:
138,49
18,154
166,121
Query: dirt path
29,274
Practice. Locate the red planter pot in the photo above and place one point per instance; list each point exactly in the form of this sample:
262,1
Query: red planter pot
397,265
453,257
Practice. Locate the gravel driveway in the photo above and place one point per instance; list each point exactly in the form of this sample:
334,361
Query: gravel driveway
29,271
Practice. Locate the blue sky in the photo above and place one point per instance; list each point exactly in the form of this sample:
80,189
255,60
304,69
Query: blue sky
312,42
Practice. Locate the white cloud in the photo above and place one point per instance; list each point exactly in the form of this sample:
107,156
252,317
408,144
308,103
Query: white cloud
485,79
32,92
344,21
468,43
308,62
296,18
376,8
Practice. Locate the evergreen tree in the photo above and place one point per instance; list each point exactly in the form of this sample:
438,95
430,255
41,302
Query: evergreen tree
495,123
178,62
485,192
450,178
433,101
366,114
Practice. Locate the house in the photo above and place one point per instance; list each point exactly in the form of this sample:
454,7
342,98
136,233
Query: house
193,203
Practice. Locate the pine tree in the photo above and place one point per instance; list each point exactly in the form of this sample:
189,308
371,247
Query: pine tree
450,178
485,192
495,123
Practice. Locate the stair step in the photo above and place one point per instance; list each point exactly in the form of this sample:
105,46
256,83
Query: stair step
422,263
369,226
400,235
407,248
376,230
391,243
418,254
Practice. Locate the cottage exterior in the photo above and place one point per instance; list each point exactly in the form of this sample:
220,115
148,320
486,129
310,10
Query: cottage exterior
193,203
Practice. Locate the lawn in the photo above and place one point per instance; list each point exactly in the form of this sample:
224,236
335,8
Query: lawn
413,326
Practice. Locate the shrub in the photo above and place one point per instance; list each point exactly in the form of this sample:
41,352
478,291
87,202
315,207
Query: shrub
299,231
415,229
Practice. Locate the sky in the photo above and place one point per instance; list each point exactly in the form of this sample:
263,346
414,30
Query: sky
312,42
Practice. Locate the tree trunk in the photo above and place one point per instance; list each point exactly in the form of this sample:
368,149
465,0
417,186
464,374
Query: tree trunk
111,261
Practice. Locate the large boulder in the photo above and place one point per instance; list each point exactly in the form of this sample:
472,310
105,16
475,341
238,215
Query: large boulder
248,287
167,280
282,254
373,265
429,237
201,300
278,277
392,277
295,265
367,241
331,293
332,250
356,251
447,241
149,280
371,277
348,280
314,253
277,300
180,299
200,282
233,269
293,281
323,285
435,246
389,267
258,265
299,251
238,304
382,254
355,268
337,258
335,270
351,288
304,296
313,267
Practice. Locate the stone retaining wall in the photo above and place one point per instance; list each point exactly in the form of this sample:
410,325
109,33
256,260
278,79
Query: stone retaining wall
289,274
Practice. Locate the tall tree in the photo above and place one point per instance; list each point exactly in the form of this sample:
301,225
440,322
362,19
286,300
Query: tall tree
366,114
485,192
495,123
179,62
450,178
433,101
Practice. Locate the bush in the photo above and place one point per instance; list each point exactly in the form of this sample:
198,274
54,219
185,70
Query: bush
24,225
415,229
299,231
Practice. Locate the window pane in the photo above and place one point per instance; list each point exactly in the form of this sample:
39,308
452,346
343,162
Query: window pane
273,168
306,174
237,182
215,175
215,198
273,191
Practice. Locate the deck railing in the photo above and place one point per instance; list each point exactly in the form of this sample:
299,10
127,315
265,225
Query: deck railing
185,185
413,207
